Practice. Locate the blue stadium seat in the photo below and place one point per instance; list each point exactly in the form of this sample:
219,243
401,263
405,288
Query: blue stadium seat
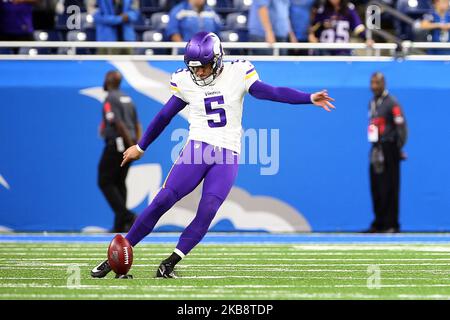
61,21
6,51
87,21
151,6
242,5
47,35
149,3
166,5
28,51
75,35
229,36
142,24
159,20
232,36
415,9
90,34
222,6
236,21
152,36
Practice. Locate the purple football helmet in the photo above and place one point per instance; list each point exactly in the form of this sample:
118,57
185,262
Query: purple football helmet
202,49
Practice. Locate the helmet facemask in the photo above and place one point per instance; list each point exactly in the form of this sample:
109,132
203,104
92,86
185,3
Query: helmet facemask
216,68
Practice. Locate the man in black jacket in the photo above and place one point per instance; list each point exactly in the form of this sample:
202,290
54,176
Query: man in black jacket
388,133
120,129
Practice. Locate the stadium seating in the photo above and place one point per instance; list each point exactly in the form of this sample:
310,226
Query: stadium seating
150,6
47,35
141,25
154,17
242,5
61,22
415,9
236,21
75,35
159,20
152,36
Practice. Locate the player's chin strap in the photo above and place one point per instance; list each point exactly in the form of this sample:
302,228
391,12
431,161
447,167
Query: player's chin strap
217,69
203,82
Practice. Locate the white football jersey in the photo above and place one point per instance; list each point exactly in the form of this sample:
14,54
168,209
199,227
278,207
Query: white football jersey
215,111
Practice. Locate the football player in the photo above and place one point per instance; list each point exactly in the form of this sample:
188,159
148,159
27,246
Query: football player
214,91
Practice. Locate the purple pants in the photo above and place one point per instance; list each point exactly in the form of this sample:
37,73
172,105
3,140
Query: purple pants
198,161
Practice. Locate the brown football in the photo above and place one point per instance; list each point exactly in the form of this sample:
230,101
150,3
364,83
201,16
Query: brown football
120,255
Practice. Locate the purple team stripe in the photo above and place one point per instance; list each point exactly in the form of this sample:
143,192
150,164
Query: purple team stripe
174,84
250,70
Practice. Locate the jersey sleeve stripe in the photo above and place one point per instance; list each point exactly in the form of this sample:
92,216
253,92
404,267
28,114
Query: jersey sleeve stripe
250,75
174,88
173,84
252,69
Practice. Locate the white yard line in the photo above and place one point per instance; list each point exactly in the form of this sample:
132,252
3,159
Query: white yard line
244,259
236,266
373,247
274,270
432,247
264,295
327,277
8,254
203,287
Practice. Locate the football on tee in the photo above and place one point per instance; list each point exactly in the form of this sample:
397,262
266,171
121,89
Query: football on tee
120,255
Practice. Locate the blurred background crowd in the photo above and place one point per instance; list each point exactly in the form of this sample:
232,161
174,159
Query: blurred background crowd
325,21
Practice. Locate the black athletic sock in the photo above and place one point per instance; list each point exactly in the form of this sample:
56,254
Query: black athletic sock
173,259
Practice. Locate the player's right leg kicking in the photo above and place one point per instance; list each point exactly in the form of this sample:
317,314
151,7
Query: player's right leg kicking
217,183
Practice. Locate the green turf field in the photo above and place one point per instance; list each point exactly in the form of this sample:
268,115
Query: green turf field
232,271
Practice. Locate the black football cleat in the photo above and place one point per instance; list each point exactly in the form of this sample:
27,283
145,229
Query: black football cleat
101,270
165,270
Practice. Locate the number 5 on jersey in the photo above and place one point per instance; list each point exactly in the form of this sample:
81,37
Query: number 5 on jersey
220,111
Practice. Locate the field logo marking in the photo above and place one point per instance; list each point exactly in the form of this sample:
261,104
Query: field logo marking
73,277
374,279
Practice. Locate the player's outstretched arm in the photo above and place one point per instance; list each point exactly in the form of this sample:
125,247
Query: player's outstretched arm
264,91
161,120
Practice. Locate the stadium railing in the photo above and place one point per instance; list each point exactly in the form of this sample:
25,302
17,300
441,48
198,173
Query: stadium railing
174,49
175,46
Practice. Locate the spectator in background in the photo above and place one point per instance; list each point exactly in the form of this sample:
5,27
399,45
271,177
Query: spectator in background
387,132
114,22
334,22
438,22
120,129
16,20
268,21
300,17
189,17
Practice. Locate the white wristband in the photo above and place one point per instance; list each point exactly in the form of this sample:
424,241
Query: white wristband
139,148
